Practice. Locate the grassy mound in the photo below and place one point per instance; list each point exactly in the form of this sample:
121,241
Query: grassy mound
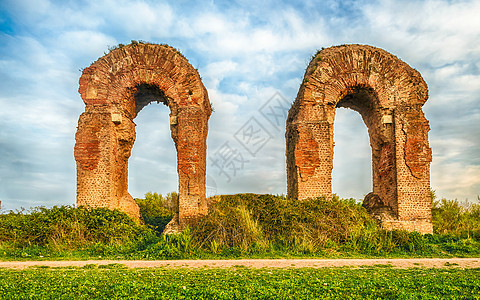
63,229
249,223
249,220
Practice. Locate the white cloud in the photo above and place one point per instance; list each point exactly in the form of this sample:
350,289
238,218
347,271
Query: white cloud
461,78
450,149
49,16
215,72
434,31
83,42
456,180
234,35
210,23
141,19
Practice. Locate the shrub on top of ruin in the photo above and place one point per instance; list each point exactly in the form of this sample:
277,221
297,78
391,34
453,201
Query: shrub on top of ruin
140,42
135,42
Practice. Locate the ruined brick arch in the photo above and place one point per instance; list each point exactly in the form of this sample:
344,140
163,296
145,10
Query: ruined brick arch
115,88
389,96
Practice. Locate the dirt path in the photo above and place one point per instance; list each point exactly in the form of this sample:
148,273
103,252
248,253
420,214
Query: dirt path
260,263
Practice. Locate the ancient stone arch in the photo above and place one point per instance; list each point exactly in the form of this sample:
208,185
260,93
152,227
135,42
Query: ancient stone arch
115,88
389,96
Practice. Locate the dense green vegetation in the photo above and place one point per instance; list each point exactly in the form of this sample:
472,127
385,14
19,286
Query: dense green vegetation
242,225
450,217
157,210
115,282
249,221
248,224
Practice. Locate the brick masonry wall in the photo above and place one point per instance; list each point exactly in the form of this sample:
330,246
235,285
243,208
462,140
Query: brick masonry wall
389,95
114,89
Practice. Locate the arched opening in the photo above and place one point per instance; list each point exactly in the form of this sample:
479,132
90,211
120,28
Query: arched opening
364,100
152,164
352,156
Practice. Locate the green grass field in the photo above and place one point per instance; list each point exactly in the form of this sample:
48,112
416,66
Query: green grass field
117,282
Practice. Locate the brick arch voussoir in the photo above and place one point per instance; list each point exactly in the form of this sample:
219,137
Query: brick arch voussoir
106,79
335,70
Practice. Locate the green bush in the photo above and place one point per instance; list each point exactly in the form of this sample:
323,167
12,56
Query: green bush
449,217
156,210
66,227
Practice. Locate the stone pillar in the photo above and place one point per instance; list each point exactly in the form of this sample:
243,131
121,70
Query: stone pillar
191,147
102,148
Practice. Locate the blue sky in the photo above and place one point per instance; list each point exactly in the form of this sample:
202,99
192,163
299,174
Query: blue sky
249,54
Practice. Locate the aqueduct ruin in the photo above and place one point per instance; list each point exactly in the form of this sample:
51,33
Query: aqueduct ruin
387,93
389,96
115,88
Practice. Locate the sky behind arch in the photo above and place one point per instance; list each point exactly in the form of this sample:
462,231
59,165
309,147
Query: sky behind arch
248,53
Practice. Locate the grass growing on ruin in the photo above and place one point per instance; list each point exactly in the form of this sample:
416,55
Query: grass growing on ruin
237,226
115,282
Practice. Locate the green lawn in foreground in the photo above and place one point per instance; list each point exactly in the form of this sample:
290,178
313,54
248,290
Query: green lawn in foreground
115,282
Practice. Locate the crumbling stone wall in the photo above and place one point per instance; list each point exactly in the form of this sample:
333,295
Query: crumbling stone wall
115,88
389,96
